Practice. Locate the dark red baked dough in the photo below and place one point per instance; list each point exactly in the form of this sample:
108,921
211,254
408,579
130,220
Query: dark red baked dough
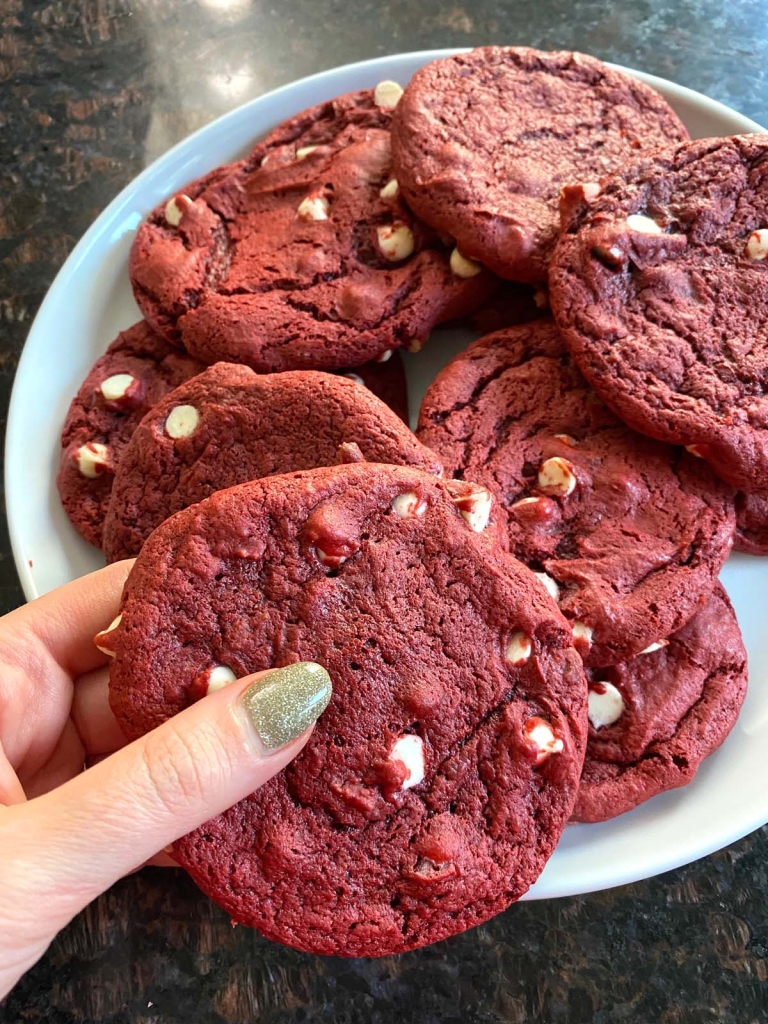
751,535
483,141
680,703
157,368
385,380
671,329
246,277
250,425
512,304
335,855
647,527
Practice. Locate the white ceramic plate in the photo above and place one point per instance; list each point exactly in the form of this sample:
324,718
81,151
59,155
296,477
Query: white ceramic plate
90,301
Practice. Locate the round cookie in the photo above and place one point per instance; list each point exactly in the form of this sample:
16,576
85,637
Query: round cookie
383,575
483,142
138,368
655,718
660,287
229,425
631,532
751,535
304,256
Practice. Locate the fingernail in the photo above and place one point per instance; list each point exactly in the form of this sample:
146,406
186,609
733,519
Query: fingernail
284,703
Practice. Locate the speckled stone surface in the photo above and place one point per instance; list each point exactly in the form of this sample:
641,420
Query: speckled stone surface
90,92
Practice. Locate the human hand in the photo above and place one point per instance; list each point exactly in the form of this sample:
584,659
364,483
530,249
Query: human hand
67,834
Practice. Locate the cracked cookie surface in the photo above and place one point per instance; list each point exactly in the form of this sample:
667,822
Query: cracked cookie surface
246,425
483,142
303,256
428,631
655,718
660,287
630,531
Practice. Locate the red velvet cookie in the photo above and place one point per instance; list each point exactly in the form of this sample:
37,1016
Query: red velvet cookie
655,718
436,784
630,532
138,368
483,142
660,287
229,425
304,256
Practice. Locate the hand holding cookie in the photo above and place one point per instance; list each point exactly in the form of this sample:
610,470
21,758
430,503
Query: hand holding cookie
68,834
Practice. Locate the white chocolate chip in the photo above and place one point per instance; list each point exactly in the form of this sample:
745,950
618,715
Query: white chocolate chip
303,152
541,298
390,190
567,439
395,241
605,704
174,209
582,632
657,646
182,421
415,346
115,387
313,208
643,225
385,356
757,244
356,378
265,160
462,267
695,449
526,501
409,750
92,459
100,640
557,475
590,190
549,585
219,677
541,735
332,561
475,508
408,504
519,649
387,94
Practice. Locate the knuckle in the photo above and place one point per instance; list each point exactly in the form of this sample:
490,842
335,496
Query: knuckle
181,768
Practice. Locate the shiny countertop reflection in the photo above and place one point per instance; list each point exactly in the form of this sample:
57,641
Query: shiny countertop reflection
91,91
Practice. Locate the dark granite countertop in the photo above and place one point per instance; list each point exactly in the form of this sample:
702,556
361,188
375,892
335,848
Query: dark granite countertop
90,92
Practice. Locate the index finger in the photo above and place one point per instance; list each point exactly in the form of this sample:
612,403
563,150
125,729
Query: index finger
65,621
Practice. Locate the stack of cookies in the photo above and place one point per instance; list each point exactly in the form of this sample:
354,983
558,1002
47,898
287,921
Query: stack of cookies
518,605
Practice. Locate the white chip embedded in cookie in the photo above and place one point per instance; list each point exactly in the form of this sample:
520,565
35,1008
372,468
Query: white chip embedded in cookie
409,750
116,387
387,94
557,476
606,704
519,649
462,267
182,421
395,241
175,209
643,225
313,208
93,459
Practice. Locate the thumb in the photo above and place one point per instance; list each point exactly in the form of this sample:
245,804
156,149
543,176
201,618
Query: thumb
83,836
